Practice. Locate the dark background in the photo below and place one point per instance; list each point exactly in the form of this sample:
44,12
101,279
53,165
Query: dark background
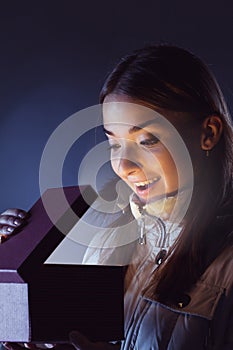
56,54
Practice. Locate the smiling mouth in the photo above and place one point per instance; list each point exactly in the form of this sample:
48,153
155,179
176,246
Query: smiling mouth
141,186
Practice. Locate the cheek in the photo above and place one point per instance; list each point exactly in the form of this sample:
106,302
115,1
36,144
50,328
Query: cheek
171,178
167,166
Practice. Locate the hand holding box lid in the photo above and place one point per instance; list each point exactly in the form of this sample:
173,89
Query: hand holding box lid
44,302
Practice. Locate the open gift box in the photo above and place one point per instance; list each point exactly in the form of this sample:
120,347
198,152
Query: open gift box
42,302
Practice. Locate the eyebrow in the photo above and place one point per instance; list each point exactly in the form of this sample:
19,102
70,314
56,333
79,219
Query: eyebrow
134,128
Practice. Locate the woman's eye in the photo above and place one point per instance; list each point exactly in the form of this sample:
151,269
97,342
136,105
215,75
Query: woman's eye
149,142
114,146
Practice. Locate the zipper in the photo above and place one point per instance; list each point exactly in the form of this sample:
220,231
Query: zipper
208,338
142,231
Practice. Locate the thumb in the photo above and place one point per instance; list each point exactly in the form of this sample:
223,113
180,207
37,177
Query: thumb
79,341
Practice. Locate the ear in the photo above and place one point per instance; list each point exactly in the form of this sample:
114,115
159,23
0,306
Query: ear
211,132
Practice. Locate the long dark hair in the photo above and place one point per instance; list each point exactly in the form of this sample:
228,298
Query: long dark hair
174,79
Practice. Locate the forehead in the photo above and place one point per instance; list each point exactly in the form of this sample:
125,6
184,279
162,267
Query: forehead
127,113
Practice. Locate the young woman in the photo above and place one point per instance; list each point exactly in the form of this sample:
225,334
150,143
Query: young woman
179,283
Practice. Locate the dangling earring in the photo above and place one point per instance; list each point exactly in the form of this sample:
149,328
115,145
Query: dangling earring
207,153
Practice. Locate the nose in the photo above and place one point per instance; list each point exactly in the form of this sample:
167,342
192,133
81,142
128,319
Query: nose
127,161
125,167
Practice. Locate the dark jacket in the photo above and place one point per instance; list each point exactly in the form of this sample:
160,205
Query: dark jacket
202,319
206,322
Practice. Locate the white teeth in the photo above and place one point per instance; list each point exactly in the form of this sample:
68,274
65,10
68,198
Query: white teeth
146,182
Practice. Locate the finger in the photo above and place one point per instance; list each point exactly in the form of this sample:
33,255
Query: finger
12,346
79,341
11,220
6,230
9,226
45,346
16,212
7,346
30,346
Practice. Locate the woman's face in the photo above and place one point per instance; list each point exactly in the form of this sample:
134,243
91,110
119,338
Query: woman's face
137,141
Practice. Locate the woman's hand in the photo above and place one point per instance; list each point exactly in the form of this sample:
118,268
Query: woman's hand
31,346
77,342
10,220
80,342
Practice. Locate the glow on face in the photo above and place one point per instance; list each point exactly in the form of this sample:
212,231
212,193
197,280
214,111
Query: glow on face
139,157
